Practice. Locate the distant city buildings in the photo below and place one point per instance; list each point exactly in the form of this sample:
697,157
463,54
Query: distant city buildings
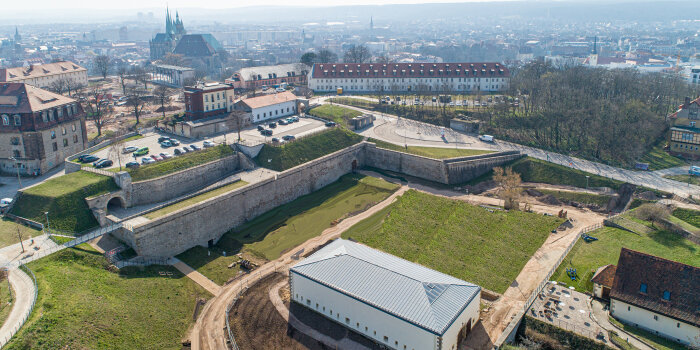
256,77
409,77
38,129
164,43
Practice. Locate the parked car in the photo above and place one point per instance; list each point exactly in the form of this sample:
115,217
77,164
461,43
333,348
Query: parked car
486,138
208,144
141,151
295,119
186,149
147,160
279,89
288,137
166,143
264,88
103,163
133,165
266,132
261,128
165,155
177,152
156,157
4,203
163,138
174,142
694,170
195,147
283,122
129,149
329,124
88,158
272,125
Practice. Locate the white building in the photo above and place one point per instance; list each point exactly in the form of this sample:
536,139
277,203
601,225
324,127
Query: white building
409,77
693,75
658,295
46,76
269,106
394,302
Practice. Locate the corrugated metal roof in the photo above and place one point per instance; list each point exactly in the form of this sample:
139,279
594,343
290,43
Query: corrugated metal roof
414,293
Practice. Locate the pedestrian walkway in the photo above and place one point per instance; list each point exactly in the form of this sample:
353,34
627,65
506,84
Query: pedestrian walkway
24,292
600,316
197,277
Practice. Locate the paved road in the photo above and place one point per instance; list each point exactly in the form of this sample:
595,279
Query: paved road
9,184
401,131
24,297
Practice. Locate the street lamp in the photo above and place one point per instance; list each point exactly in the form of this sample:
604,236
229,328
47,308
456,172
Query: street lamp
587,176
18,178
48,226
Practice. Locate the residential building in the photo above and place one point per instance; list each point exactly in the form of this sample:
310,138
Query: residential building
269,106
38,128
47,76
658,295
694,75
685,130
207,100
255,77
396,303
409,77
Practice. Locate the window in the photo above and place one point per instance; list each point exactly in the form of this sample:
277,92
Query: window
656,318
667,295
308,302
73,127
44,116
53,134
65,142
206,98
628,308
14,141
386,339
678,325
18,120
55,146
63,131
75,138
347,320
16,154
643,288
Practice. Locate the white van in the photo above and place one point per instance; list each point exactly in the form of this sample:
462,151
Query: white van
486,138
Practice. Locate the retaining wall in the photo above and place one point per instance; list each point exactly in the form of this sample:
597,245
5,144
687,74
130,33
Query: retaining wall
409,164
463,169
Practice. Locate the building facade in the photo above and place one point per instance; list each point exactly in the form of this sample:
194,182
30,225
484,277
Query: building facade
409,77
164,43
255,77
38,129
658,295
269,106
47,76
173,76
395,303
208,100
685,130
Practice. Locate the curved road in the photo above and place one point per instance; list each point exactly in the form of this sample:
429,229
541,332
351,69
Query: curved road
23,289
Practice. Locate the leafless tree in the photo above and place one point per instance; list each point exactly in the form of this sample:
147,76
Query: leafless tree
59,85
238,118
509,187
652,212
140,76
326,56
96,108
162,95
357,54
115,148
103,63
135,99
173,60
123,74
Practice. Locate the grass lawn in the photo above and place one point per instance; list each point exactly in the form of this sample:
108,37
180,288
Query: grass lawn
8,232
82,305
431,152
305,149
692,179
277,231
688,215
6,300
211,262
584,198
658,342
181,162
64,198
658,158
196,199
335,113
587,257
457,238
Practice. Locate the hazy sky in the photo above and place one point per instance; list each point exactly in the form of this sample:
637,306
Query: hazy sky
210,4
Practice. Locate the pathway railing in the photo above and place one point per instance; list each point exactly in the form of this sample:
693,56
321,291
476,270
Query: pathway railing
29,277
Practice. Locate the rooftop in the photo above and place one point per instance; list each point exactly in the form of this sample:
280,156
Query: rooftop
414,293
280,70
410,70
25,98
38,70
269,99
605,275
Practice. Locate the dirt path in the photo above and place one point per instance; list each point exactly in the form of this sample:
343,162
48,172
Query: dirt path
197,277
209,332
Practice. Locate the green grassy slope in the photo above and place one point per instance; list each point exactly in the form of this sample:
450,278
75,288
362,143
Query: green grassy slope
180,162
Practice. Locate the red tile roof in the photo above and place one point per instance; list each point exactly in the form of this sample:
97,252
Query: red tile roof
410,70
660,275
38,70
605,275
25,98
269,99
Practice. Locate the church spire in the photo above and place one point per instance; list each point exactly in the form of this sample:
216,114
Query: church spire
17,36
168,21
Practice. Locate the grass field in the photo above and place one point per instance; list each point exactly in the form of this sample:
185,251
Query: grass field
305,149
584,198
211,262
6,300
181,162
430,152
8,232
82,305
658,158
335,113
456,238
64,198
688,215
691,179
658,342
587,257
196,199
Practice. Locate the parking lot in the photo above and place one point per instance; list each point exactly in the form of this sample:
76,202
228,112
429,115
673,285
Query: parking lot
298,129
149,140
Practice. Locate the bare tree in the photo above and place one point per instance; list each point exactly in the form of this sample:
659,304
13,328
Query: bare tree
140,76
103,63
508,187
136,100
162,95
173,60
357,54
238,118
96,108
652,212
325,56
114,149
59,85
123,74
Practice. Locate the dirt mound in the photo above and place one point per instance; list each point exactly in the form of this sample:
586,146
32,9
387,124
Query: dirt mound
648,195
481,187
549,199
533,192
167,109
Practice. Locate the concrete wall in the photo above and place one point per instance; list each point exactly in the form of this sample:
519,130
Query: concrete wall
176,232
409,164
463,169
182,182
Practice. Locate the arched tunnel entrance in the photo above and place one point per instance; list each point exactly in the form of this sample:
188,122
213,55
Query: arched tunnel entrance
114,203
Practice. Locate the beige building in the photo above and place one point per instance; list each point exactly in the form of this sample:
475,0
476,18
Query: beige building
38,129
685,130
47,76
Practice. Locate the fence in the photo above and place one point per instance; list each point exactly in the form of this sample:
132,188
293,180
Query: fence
143,261
99,171
26,276
243,289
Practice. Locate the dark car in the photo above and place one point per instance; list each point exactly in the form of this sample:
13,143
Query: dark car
282,122
133,165
174,142
186,149
274,139
87,158
177,151
261,128
163,138
272,125
195,147
288,137
329,124
266,132
103,163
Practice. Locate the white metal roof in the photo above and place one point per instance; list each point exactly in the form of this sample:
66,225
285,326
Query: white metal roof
421,296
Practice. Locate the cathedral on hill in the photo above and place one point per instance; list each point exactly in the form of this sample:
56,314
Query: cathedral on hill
165,43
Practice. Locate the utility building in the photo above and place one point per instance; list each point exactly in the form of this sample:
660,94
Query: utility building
394,302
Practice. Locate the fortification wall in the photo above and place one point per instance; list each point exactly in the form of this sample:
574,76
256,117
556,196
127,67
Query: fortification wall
409,164
460,170
209,220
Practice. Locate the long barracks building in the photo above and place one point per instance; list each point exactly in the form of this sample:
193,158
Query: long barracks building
409,77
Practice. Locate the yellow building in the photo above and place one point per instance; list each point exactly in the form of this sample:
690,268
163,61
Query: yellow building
685,130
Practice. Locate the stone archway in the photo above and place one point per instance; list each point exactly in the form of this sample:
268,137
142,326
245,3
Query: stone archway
115,202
